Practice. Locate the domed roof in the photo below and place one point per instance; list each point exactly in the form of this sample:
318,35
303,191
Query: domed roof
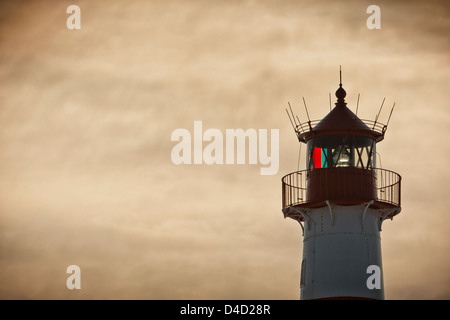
341,117
341,120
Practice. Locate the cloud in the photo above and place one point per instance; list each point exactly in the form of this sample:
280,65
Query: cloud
85,125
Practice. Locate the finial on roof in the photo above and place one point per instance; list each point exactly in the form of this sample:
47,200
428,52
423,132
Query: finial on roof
340,92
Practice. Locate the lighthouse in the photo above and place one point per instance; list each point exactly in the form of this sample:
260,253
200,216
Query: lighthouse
340,200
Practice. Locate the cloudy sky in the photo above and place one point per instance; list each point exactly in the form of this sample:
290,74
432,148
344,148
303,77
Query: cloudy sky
86,118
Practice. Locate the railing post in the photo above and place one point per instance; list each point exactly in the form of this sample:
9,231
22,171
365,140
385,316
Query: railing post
392,187
290,189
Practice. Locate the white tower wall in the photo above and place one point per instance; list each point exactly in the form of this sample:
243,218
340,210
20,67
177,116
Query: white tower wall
338,247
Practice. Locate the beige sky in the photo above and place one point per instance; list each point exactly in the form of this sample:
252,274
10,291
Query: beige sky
86,117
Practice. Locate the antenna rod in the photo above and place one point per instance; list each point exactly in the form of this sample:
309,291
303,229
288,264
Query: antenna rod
329,97
298,121
376,117
293,127
390,115
306,109
357,104
293,117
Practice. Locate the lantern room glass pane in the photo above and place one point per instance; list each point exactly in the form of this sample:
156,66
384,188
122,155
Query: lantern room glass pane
341,151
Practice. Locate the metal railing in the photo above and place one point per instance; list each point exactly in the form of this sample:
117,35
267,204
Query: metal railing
387,186
309,126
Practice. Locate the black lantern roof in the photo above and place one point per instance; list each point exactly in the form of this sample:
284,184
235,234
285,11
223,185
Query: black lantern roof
340,120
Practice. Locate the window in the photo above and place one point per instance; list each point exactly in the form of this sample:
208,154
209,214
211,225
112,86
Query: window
341,151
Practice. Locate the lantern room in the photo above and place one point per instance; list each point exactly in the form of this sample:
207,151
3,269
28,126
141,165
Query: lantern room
341,150
341,164
341,139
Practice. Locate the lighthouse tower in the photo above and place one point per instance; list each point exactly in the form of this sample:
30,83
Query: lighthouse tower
341,200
